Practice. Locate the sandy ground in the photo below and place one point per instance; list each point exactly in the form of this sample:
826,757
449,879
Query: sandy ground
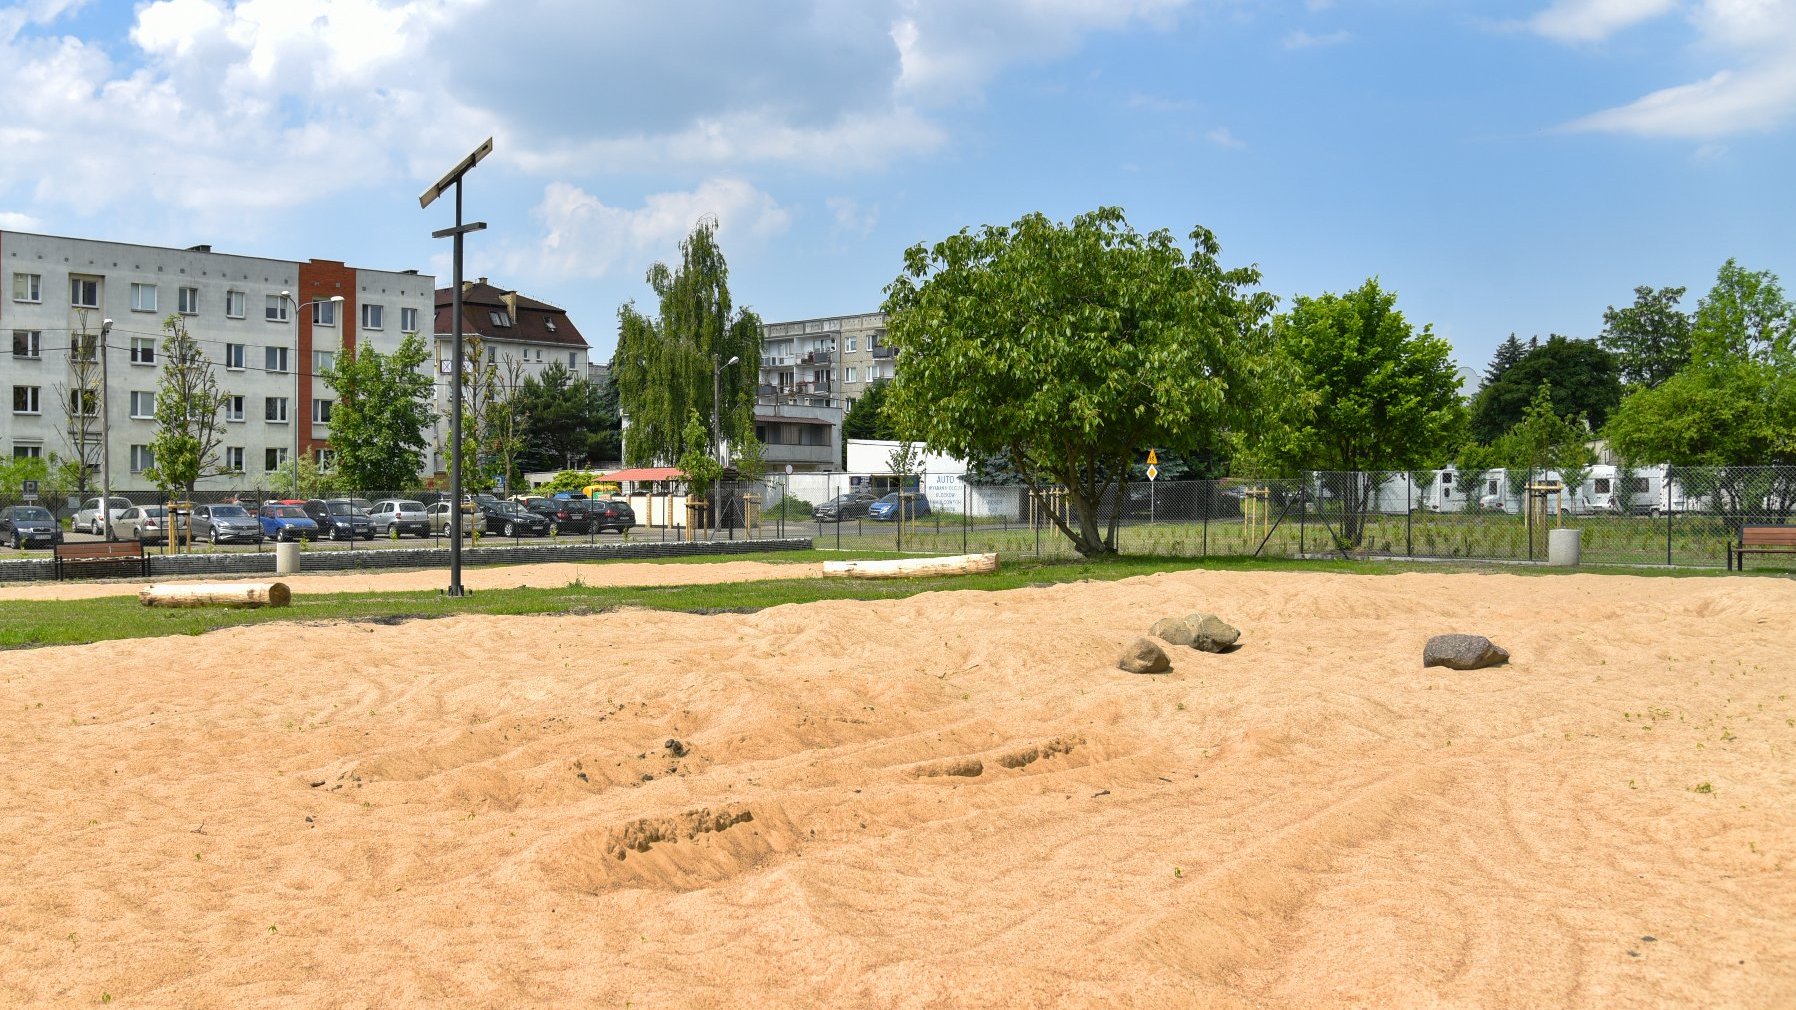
551,576
487,812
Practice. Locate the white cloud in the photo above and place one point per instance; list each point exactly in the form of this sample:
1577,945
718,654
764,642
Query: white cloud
583,237
11,220
1756,92
1221,137
1595,20
850,217
1301,39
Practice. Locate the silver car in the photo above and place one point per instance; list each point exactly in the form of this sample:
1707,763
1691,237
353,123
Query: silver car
401,514
439,519
226,524
147,523
88,519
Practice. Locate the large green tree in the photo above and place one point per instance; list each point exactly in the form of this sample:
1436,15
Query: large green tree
1071,347
663,366
568,421
383,412
1508,354
1650,338
189,413
1365,391
1583,377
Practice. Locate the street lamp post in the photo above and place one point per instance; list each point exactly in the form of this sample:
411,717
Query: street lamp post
717,437
105,430
292,418
429,196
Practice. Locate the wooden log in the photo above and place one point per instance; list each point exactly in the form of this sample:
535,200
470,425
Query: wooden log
911,568
216,594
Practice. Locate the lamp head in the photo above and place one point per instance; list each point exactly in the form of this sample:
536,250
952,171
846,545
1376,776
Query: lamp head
733,360
286,294
105,326
336,298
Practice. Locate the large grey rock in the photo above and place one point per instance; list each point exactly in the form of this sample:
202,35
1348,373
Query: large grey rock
1463,652
1204,632
1141,655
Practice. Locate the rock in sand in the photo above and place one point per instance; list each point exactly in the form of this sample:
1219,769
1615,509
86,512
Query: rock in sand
1141,655
1463,652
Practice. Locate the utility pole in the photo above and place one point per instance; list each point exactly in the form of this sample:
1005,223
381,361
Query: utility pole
104,406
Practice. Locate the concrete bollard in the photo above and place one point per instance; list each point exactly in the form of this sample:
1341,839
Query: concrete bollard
286,557
1564,548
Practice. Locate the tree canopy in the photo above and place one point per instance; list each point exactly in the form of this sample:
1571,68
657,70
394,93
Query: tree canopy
382,412
663,366
189,413
1070,347
1364,390
1650,338
1582,375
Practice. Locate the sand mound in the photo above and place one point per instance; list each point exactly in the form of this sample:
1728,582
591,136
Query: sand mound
951,800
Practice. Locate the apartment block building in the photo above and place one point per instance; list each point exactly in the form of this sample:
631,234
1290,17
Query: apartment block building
268,325
824,362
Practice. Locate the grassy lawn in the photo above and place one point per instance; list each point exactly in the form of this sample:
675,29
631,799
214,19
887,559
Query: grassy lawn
30,623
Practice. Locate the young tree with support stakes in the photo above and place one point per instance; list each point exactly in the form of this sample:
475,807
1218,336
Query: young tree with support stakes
79,402
663,367
1071,347
189,413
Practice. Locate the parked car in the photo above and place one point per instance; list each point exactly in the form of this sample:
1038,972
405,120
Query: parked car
510,519
611,514
853,505
438,514
401,514
88,520
886,509
225,524
286,520
149,524
532,502
566,516
340,519
23,526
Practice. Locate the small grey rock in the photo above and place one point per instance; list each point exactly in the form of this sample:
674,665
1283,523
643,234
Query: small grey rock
1463,652
1141,655
1210,633
1172,630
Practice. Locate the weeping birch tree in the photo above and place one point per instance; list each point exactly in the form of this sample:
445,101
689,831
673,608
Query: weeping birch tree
663,365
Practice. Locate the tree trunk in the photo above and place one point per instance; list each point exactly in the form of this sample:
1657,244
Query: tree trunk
965,564
216,594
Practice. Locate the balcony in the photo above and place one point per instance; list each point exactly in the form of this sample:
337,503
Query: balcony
819,358
780,455
885,352
776,360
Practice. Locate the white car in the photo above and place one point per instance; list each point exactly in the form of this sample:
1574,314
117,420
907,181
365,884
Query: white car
88,519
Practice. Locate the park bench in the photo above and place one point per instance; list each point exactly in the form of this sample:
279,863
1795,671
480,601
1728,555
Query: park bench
1760,540
101,556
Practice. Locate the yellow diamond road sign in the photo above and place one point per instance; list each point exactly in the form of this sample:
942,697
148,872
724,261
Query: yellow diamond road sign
1152,457
1153,472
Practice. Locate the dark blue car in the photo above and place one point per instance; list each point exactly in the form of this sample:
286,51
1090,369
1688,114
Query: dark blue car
886,509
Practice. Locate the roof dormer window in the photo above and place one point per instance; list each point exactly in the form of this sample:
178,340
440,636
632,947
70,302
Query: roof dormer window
500,317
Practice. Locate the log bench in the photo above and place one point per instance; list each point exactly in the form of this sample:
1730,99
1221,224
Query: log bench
1760,540
101,556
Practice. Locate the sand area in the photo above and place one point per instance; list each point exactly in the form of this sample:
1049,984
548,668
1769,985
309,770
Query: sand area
550,576
953,800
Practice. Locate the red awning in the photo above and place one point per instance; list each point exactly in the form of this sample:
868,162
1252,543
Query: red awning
646,473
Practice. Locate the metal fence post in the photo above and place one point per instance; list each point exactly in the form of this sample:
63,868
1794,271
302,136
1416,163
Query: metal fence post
1668,530
1303,515
1409,516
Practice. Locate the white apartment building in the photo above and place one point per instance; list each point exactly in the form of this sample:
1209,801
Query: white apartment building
268,325
824,362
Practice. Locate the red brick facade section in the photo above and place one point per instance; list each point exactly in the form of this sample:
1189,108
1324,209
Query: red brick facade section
318,280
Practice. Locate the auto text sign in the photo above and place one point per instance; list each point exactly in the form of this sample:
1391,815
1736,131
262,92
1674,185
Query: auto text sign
30,490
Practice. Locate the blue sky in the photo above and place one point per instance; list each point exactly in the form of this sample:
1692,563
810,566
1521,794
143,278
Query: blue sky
1503,166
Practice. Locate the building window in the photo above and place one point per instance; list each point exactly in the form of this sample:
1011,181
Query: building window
27,343
233,408
234,355
143,350
274,459
373,316
188,301
854,343
325,458
85,402
408,320
550,323
143,298
143,405
852,372
321,411
499,317
233,458
274,309
274,409
236,304
84,292
573,358
27,452
141,458
274,359
27,288
324,313
25,399
492,355
323,361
